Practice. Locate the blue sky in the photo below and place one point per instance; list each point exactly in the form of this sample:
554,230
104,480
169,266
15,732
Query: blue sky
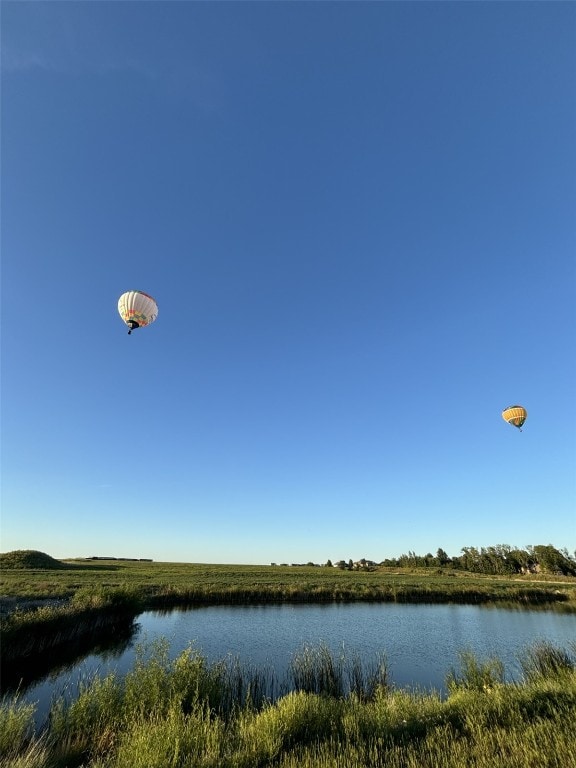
358,221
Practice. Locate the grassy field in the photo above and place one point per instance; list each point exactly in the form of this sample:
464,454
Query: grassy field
169,583
185,713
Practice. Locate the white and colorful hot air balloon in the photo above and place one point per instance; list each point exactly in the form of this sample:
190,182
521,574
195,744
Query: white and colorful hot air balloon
137,309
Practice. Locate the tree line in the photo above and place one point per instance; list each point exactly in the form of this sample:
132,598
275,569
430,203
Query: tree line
501,559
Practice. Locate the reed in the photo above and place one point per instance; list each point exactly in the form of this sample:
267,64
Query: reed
174,713
316,669
543,659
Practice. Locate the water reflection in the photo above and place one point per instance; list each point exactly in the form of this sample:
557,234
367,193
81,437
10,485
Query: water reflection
53,663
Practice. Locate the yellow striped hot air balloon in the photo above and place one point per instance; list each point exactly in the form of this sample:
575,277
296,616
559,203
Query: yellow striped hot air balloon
137,309
515,415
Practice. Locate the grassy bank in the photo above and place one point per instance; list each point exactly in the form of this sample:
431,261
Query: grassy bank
35,641
185,712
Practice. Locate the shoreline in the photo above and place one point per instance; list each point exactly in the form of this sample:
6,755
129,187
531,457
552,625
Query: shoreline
34,628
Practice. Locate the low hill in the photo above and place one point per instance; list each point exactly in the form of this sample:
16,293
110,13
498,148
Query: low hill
29,559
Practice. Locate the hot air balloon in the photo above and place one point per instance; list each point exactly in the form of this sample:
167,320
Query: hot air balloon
515,415
137,309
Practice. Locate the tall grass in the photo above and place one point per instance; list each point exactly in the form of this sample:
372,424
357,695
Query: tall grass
16,724
543,659
315,669
182,712
475,675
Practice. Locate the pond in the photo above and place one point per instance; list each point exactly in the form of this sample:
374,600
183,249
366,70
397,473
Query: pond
421,643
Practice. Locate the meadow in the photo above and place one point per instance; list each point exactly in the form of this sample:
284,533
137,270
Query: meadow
156,584
184,712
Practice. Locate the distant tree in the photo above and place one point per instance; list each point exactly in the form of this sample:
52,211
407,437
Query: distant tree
442,557
519,561
350,564
568,556
551,560
329,563
470,559
341,564
500,559
492,560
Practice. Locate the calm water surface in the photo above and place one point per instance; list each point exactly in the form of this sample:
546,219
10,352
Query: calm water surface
420,642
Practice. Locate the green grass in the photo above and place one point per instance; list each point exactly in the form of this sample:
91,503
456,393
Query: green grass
166,584
185,712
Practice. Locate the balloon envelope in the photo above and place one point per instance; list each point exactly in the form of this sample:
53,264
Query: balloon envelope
137,309
515,415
